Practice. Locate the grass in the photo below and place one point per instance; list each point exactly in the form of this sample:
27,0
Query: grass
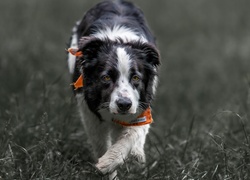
201,112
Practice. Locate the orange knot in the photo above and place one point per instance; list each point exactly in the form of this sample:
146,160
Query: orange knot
79,83
75,52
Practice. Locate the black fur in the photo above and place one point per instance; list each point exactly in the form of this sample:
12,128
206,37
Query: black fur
108,13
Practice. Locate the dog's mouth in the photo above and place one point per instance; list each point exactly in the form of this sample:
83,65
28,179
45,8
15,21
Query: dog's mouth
124,116
115,113
119,112
123,112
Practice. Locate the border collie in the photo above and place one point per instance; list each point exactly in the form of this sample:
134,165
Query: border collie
113,60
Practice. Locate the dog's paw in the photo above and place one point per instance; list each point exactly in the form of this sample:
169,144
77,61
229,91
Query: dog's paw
139,156
107,165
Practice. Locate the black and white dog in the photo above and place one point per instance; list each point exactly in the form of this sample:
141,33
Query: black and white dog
113,59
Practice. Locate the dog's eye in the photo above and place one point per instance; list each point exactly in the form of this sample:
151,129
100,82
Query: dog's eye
136,78
106,78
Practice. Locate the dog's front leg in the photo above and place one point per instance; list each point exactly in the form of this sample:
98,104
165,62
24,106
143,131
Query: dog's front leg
98,132
128,139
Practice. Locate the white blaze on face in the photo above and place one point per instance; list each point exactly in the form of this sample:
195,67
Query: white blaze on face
124,88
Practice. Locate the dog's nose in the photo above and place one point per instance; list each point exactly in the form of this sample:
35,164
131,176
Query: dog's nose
124,104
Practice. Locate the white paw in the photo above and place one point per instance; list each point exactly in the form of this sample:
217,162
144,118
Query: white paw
139,156
108,164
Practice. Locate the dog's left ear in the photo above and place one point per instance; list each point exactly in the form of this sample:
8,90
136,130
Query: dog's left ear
90,47
152,55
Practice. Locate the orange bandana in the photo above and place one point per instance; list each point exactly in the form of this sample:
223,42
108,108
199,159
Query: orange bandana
79,82
143,119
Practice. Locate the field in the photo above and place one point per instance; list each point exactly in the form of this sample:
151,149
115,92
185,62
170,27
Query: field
201,113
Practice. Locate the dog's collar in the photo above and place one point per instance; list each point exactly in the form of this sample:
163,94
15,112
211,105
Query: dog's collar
144,118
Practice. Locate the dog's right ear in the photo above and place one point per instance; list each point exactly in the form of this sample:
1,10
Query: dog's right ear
89,47
88,50
86,44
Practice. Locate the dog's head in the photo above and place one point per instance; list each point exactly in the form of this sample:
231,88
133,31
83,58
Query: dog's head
119,77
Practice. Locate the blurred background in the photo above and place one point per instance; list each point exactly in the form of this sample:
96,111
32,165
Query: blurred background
203,91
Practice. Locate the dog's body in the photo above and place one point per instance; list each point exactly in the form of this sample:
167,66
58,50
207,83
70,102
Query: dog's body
118,62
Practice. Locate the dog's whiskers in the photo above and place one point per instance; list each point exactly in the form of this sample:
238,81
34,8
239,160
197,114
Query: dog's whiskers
104,105
143,105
